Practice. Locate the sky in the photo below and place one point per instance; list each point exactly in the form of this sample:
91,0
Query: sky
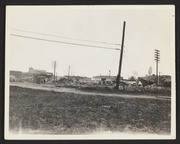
147,28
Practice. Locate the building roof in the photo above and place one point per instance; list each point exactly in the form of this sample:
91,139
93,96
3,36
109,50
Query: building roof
15,73
36,71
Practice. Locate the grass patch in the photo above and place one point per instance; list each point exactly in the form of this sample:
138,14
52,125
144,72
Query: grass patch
49,112
131,90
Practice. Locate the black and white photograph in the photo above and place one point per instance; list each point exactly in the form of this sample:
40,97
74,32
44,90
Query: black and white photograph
90,72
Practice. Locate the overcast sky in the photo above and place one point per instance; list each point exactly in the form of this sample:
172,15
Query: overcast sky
147,28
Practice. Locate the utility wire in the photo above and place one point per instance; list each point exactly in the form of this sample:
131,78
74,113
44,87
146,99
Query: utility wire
70,43
64,37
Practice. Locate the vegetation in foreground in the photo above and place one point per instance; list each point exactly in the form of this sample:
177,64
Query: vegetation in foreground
49,112
131,90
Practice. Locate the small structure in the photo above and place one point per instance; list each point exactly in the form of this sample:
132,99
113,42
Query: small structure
39,76
103,79
130,81
15,75
165,81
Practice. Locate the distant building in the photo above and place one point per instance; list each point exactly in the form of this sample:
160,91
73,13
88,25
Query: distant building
39,76
33,75
15,75
35,71
103,79
164,80
130,81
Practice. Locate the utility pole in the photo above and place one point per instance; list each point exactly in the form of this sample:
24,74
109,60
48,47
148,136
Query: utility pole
157,59
109,73
54,72
159,79
121,55
56,77
54,66
69,71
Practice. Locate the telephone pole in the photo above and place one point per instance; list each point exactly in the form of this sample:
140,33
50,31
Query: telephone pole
69,72
54,72
109,73
157,59
121,55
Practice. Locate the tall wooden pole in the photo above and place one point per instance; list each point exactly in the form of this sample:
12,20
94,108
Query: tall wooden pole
157,59
54,72
69,72
121,55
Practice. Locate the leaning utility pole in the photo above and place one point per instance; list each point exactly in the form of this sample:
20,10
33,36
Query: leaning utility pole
157,59
121,55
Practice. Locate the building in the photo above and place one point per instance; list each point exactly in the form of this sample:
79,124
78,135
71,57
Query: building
33,75
15,75
103,79
35,71
164,80
130,81
39,76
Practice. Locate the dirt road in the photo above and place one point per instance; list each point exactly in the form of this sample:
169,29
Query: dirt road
73,90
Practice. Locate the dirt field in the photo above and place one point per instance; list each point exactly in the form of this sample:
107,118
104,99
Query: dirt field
51,112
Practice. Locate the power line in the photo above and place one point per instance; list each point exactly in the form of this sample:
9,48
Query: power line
64,37
70,43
